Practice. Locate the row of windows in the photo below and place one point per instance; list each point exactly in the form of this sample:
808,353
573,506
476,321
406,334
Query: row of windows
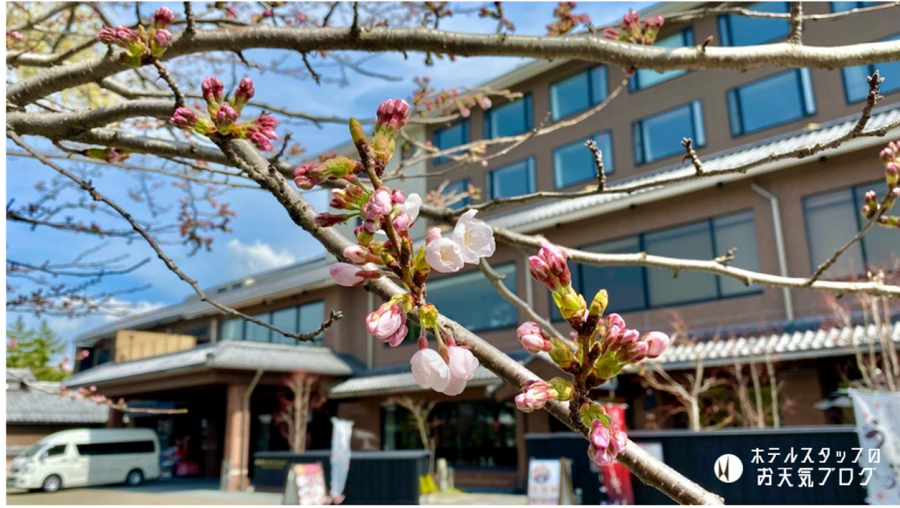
830,218
634,288
301,319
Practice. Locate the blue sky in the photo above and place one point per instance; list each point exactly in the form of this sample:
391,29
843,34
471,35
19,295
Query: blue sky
263,237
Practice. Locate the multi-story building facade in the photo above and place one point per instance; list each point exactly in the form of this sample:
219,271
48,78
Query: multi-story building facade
780,217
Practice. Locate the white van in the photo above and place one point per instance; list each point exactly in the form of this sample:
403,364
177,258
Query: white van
80,457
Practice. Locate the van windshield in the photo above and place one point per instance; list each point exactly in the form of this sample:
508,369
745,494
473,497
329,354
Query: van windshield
32,450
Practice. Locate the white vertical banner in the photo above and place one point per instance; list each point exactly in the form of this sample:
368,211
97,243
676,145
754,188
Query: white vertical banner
878,426
342,430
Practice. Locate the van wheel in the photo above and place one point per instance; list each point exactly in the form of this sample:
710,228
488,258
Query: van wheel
52,483
135,477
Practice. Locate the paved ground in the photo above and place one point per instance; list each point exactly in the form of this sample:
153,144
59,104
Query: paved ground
165,492
205,492
475,499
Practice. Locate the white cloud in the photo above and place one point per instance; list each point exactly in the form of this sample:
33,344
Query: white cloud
258,256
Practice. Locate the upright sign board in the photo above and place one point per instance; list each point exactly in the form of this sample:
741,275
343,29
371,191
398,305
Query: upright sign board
550,482
306,485
878,426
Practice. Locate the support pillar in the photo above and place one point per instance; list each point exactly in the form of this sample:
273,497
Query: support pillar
116,419
234,445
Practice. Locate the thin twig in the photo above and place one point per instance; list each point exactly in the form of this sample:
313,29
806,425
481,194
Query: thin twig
796,24
598,164
312,72
97,196
164,73
691,155
191,27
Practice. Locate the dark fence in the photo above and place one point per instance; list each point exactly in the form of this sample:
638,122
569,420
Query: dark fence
694,455
375,477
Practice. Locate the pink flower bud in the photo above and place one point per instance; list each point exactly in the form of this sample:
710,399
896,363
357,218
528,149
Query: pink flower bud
348,275
326,220
107,35
397,196
379,204
657,343
535,396
225,117
212,89
125,35
308,175
533,338
163,17
261,141
162,38
184,118
386,321
541,272
615,320
599,436
462,365
432,235
244,91
358,254
402,222
392,114
556,260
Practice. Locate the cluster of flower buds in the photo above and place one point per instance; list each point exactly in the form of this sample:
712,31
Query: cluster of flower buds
144,44
551,268
538,393
566,19
603,347
224,115
448,100
890,157
110,154
632,30
393,213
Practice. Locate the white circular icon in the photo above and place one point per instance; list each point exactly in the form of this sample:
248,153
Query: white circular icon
729,468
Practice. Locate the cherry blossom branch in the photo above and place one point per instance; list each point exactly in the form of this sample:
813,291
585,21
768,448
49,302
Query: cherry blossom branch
170,264
704,12
795,36
645,467
589,48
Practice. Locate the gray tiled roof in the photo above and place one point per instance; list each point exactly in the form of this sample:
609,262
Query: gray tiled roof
227,354
303,276
782,346
531,218
31,404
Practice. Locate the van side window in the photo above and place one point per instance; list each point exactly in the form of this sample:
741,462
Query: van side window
116,448
57,450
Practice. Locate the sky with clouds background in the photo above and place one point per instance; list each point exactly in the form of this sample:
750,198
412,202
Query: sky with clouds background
263,236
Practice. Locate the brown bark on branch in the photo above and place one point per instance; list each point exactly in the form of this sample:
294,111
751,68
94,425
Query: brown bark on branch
589,48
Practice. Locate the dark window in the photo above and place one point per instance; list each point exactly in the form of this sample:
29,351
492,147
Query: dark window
834,218
455,135
633,288
456,188
56,450
299,319
471,300
512,180
473,434
644,78
847,6
116,448
771,101
578,93
574,163
857,88
509,119
659,136
736,30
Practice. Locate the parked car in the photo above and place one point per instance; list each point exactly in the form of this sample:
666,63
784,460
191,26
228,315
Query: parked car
82,457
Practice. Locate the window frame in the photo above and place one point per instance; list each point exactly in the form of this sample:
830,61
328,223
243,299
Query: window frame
687,38
608,159
319,342
529,114
592,101
857,5
870,68
726,31
578,275
467,138
807,101
698,126
857,205
530,174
